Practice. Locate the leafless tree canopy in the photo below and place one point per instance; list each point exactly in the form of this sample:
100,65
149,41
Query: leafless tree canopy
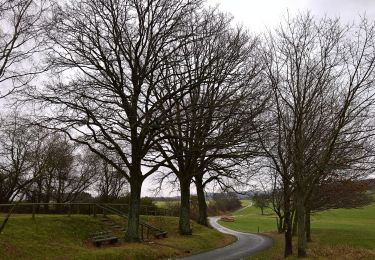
41,166
20,42
321,74
16,142
213,121
109,57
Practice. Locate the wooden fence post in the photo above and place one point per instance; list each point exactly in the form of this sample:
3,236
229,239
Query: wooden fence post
142,232
33,214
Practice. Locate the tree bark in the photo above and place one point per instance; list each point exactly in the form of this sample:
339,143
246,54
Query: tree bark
301,214
202,205
280,224
308,225
295,223
184,223
132,232
288,249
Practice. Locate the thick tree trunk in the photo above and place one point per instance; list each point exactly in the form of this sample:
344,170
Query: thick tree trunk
308,226
288,249
132,232
301,214
202,205
184,223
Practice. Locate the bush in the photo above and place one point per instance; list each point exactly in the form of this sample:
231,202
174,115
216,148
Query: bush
224,202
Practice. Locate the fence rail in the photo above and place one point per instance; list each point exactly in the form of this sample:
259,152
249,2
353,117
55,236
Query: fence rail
69,208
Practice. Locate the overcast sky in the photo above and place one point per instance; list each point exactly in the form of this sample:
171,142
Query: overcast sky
260,14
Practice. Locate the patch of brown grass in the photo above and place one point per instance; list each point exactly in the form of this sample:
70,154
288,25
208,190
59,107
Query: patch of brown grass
340,252
315,250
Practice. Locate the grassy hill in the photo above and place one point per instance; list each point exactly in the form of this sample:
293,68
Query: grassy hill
336,234
62,237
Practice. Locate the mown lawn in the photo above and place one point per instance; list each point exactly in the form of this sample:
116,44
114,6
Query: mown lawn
336,234
62,237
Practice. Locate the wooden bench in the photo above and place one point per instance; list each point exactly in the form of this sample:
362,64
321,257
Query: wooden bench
160,234
100,233
227,218
99,238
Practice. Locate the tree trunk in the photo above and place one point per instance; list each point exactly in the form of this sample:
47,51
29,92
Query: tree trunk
301,214
184,223
202,205
288,249
280,224
295,224
132,233
308,226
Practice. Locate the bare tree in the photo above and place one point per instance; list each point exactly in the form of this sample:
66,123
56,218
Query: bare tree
109,57
212,120
66,173
261,200
16,141
321,74
20,41
110,184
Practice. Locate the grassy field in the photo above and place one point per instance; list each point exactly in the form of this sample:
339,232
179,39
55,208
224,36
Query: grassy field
245,203
62,237
249,219
336,234
164,204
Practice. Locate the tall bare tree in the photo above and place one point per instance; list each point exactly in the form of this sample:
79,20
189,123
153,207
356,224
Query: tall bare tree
212,119
108,58
321,74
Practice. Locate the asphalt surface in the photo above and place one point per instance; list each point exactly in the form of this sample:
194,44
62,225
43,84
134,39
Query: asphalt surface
247,244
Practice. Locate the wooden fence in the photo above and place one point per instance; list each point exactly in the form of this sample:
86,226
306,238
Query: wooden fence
76,208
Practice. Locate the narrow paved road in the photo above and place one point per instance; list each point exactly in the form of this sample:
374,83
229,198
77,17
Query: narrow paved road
246,245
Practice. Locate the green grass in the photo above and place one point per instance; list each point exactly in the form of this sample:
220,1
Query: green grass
165,203
62,237
354,227
249,219
336,234
245,203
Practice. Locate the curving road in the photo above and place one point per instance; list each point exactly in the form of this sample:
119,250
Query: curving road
247,244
